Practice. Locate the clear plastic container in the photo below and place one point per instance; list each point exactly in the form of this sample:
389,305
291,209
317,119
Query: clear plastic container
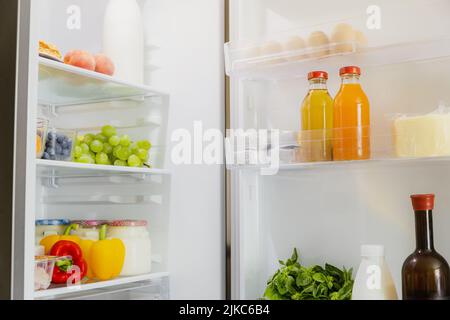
60,144
41,137
134,235
43,272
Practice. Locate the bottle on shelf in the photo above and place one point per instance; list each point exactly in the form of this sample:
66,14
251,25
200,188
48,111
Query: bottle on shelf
373,280
123,39
317,120
425,273
351,134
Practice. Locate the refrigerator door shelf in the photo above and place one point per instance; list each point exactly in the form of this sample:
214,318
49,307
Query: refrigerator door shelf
62,169
100,287
65,85
355,164
277,67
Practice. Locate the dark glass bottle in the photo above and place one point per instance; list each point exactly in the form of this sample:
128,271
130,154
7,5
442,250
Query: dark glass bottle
425,273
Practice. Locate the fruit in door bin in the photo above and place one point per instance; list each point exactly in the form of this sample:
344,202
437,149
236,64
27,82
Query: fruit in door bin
103,64
49,241
114,141
81,59
134,161
108,148
109,131
96,146
105,257
63,268
58,146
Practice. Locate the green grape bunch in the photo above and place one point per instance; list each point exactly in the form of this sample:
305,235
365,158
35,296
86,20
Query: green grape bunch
109,148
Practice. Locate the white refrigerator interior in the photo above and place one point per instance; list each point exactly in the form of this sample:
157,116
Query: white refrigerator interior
183,204
328,209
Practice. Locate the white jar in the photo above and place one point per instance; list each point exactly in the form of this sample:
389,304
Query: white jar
48,227
373,280
134,235
123,39
88,229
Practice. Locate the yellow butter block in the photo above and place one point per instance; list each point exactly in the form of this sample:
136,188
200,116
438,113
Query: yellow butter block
422,136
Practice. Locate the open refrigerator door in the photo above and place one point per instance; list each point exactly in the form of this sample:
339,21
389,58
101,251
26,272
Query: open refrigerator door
98,168
284,197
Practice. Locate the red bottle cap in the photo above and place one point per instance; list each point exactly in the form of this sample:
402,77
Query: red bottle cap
318,74
422,202
350,70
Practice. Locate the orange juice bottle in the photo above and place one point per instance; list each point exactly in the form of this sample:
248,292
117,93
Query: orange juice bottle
317,120
351,134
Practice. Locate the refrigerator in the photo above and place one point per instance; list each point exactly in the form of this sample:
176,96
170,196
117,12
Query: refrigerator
219,230
329,209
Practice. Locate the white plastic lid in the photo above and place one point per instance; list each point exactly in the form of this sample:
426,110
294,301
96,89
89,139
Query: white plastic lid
372,251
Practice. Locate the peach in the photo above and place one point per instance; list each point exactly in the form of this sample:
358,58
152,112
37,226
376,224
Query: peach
104,64
81,59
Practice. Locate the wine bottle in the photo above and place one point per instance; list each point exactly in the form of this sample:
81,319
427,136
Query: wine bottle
425,273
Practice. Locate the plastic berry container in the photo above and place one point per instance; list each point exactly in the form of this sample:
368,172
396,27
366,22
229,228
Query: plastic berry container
41,137
60,144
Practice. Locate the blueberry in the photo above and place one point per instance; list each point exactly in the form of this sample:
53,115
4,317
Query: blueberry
51,135
46,156
53,157
58,149
51,151
66,153
59,138
65,144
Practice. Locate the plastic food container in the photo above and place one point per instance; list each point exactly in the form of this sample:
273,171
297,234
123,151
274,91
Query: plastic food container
134,234
49,227
43,271
41,137
60,144
88,229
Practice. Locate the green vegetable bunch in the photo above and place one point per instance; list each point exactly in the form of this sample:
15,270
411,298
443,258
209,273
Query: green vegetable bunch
295,282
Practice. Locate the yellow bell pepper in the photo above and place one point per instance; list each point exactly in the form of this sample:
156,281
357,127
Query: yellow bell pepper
105,257
49,241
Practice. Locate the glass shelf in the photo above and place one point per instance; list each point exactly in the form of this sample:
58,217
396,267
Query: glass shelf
64,85
136,281
277,67
330,165
61,169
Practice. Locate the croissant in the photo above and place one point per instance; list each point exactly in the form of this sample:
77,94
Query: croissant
49,49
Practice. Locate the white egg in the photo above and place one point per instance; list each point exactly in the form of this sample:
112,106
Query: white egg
343,38
295,48
361,39
269,52
319,44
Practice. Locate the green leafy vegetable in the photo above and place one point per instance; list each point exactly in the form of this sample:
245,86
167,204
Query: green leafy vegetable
296,282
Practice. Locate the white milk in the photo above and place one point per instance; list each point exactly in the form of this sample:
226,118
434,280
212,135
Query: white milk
373,280
123,39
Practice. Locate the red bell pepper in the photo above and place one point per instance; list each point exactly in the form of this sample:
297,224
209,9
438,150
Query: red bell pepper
64,271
